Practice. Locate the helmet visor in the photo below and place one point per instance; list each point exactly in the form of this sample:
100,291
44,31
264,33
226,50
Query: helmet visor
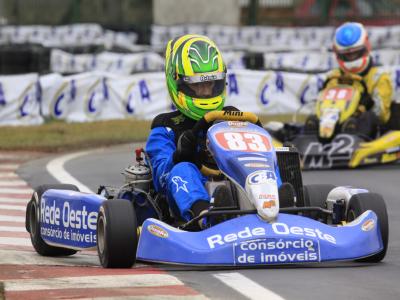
202,86
352,54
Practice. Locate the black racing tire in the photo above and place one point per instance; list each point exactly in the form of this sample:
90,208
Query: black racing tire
117,235
315,195
360,203
32,222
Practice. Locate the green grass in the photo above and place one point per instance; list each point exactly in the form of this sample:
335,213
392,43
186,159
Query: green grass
57,136
2,297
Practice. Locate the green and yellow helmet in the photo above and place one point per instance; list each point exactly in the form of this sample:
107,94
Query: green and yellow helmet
193,60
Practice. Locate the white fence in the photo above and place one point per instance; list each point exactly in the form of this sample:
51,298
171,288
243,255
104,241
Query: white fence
67,36
103,96
313,61
249,38
122,63
269,39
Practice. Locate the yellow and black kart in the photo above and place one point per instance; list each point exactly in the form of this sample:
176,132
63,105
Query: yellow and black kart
327,145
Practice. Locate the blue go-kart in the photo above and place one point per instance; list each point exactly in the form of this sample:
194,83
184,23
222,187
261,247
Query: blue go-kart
264,225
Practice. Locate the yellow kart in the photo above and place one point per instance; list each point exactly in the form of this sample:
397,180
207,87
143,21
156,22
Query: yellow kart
332,142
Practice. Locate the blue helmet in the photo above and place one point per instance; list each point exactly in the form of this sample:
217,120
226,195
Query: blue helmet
352,47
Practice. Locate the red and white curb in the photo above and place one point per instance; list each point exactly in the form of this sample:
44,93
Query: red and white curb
26,275
14,195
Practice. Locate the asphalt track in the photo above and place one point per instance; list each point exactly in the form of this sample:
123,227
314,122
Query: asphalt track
345,280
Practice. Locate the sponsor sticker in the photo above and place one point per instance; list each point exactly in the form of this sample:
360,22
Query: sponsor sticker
157,231
269,204
237,124
370,160
276,251
261,177
368,225
256,165
68,222
180,184
267,196
233,113
208,77
280,229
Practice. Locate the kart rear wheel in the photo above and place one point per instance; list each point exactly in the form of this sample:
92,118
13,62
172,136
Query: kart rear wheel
360,203
32,221
315,195
117,236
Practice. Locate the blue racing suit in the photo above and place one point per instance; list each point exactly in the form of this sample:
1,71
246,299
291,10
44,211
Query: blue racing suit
182,182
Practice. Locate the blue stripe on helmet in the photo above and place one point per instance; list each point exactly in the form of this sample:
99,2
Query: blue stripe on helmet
348,35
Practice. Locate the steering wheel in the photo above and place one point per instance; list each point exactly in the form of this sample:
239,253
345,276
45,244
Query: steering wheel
204,123
352,77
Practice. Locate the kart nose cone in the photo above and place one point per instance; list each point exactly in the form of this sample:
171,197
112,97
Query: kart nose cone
262,191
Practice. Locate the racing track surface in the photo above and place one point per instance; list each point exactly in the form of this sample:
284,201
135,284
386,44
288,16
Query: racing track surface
345,280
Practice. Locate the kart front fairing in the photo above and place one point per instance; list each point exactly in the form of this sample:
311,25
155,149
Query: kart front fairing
245,154
248,240
241,148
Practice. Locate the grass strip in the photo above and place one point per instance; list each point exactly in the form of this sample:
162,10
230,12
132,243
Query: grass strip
2,291
59,136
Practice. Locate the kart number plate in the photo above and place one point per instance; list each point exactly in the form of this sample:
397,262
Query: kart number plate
243,141
339,94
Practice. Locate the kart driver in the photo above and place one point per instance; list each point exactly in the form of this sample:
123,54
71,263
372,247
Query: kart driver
352,50
195,77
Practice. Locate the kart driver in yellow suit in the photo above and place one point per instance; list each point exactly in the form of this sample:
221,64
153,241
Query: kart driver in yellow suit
352,49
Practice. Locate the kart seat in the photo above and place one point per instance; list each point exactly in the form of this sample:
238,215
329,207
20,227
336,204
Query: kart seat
212,188
287,194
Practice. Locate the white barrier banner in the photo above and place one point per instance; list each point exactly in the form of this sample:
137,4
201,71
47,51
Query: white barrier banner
104,96
122,64
101,96
79,98
234,59
67,35
394,71
270,93
269,38
314,61
20,100
119,63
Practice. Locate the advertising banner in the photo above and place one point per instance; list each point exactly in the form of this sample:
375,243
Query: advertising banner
94,96
119,63
20,100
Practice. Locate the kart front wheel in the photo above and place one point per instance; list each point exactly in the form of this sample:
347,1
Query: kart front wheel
316,195
117,236
360,203
32,221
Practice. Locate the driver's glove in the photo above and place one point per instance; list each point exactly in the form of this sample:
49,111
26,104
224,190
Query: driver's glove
186,147
366,101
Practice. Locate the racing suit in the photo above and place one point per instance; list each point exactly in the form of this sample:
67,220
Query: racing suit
181,182
375,102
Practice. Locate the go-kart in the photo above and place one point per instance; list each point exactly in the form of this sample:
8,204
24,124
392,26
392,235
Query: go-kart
266,224
332,140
